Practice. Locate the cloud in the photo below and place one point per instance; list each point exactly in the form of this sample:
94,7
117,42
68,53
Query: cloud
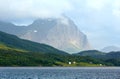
116,8
96,4
99,19
28,9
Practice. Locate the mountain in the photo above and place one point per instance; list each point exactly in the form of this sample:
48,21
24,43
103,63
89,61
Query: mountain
111,49
113,55
19,52
13,41
91,53
110,59
99,54
61,33
11,28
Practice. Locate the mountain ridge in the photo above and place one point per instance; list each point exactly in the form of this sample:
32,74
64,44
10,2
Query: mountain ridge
19,52
15,42
111,49
61,33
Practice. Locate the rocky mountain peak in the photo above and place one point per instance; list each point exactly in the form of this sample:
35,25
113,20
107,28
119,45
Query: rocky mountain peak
61,33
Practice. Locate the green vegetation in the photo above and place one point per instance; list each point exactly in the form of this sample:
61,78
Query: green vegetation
17,57
109,59
9,57
91,53
13,41
18,52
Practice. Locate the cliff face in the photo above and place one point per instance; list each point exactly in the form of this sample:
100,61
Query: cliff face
60,33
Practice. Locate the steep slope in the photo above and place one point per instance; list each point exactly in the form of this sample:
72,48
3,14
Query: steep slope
60,33
13,41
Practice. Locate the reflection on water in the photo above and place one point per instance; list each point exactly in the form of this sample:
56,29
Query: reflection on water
59,73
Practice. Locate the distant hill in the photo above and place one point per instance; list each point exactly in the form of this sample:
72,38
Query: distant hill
91,53
99,54
13,41
113,55
111,49
111,58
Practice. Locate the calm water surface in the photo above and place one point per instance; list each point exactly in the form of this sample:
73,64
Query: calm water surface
59,73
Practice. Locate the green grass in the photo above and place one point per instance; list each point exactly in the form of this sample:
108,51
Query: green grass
2,46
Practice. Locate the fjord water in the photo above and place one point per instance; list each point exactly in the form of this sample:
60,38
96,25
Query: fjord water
60,73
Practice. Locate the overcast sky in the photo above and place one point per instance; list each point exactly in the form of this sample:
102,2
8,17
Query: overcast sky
98,19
